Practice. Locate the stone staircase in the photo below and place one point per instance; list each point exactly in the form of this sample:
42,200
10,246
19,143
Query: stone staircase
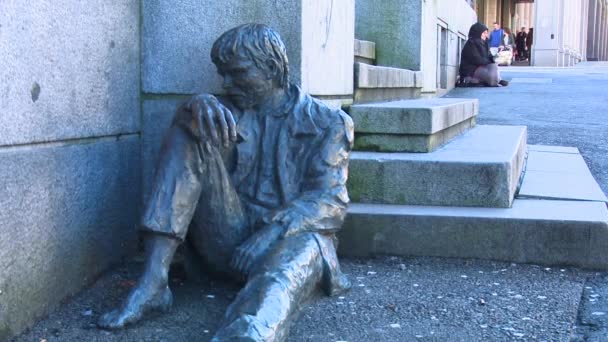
380,83
426,181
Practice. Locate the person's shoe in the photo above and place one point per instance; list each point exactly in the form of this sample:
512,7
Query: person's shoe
503,83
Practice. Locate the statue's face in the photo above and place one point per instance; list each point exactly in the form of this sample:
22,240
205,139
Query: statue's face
245,84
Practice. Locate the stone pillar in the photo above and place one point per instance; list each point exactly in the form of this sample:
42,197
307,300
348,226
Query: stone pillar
590,29
560,32
547,35
600,32
529,15
604,38
583,30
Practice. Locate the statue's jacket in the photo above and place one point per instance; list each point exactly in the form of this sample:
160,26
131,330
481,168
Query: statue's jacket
311,159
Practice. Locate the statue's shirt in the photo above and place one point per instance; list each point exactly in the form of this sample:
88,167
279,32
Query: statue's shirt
261,185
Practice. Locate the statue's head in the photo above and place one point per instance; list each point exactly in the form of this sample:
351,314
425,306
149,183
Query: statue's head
253,62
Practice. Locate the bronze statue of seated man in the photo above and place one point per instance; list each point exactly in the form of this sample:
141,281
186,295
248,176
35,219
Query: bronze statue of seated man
255,182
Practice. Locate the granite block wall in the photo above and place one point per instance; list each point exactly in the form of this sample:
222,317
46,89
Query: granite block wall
69,149
397,36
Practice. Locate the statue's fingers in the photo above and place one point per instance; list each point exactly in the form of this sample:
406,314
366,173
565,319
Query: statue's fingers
198,114
231,123
221,118
211,124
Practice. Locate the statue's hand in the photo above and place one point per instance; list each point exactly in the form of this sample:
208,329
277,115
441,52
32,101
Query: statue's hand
248,253
212,116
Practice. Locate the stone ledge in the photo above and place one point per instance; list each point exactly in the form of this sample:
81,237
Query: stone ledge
554,172
532,231
421,116
480,168
365,49
421,143
372,76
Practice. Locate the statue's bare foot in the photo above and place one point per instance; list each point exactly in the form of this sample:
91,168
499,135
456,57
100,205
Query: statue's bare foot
139,302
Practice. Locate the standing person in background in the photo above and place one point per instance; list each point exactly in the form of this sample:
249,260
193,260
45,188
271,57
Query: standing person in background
496,38
529,41
509,44
520,42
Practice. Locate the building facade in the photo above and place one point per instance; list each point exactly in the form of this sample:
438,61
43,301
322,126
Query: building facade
566,32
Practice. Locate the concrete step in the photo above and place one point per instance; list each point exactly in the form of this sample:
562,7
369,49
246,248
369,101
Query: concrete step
555,172
480,168
379,83
420,125
532,231
365,51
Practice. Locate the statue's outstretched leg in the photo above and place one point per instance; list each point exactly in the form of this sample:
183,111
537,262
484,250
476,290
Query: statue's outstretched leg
288,275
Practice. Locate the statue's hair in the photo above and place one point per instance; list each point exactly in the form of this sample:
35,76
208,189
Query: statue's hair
257,42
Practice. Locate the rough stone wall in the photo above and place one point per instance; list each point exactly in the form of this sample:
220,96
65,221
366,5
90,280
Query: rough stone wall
69,149
395,26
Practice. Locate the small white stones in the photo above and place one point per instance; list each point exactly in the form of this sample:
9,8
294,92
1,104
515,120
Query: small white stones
210,296
518,334
541,297
483,326
206,331
415,285
494,294
518,296
496,284
395,325
464,276
371,273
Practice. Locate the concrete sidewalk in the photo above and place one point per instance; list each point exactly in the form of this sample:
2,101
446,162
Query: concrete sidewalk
409,299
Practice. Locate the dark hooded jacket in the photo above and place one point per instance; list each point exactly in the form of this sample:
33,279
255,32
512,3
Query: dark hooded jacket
475,52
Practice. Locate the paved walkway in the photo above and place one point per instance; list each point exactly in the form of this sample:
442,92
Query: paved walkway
410,299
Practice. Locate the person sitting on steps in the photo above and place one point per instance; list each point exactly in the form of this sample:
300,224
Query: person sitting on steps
477,66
